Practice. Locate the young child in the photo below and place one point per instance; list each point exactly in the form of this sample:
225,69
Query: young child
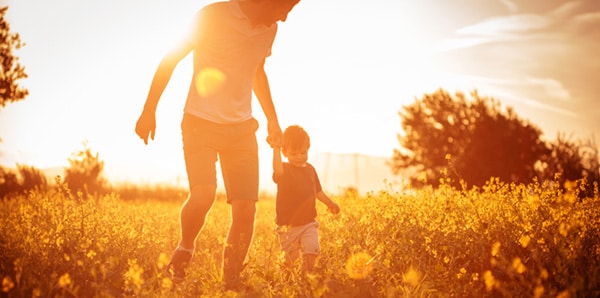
297,188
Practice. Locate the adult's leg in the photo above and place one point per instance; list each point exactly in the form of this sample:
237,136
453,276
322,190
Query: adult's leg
239,166
238,239
193,213
200,157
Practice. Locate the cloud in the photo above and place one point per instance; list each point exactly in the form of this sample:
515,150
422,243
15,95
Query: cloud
542,106
537,92
510,5
570,9
550,87
496,29
569,20
506,25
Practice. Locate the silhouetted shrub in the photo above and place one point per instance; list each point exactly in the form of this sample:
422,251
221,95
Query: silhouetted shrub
9,182
26,178
32,178
85,172
571,162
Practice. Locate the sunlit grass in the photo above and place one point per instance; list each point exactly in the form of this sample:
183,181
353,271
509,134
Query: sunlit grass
501,240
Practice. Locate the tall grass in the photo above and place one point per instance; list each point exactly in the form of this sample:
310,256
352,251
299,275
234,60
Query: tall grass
501,240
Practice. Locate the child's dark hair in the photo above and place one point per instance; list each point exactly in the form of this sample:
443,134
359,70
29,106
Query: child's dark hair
295,136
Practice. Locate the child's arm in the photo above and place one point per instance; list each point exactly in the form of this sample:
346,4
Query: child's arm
277,164
331,205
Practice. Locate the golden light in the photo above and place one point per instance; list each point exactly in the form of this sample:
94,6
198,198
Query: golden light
412,277
209,80
524,240
489,280
359,265
518,265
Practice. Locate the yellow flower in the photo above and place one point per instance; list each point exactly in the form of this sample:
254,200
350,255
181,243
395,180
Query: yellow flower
462,273
538,291
563,229
359,265
91,254
163,260
518,265
167,283
7,284
489,280
412,277
495,248
544,274
133,276
64,280
534,201
524,240
564,294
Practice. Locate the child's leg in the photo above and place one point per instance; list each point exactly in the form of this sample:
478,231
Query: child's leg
290,245
310,246
308,263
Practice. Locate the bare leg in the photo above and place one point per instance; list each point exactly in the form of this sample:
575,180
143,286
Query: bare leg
238,239
193,213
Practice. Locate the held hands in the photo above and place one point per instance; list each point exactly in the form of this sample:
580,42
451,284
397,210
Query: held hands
275,137
146,126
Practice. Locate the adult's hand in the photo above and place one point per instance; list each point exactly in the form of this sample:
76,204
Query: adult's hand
146,126
275,137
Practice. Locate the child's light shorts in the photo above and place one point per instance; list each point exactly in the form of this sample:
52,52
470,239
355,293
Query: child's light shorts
294,240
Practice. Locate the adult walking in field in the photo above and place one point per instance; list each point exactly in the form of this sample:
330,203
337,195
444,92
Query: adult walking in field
230,42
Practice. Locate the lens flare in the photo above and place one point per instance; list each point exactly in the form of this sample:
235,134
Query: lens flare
209,80
359,265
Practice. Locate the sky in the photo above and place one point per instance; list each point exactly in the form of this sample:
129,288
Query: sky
342,69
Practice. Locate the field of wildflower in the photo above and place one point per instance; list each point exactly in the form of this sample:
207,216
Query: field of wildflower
500,240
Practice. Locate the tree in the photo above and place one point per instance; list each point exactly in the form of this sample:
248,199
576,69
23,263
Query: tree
569,161
470,140
85,171
11,70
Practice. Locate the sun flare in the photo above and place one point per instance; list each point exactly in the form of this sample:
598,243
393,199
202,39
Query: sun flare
209,80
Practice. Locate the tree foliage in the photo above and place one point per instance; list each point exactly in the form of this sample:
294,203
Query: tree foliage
468,139
85,171
572,160
11,70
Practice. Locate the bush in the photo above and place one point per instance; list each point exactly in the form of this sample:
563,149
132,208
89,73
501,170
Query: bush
85,172
27,178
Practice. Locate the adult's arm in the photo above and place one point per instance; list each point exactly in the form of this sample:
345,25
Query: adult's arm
146,124
262,91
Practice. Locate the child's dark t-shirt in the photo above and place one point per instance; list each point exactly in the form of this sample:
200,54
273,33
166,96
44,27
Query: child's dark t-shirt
297,190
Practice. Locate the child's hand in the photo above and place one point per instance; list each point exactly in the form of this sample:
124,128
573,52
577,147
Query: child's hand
333,208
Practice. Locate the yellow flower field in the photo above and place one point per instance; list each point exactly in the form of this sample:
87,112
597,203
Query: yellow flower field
500,240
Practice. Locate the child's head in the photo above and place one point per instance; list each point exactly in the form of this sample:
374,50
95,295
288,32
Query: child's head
295,137
295,144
